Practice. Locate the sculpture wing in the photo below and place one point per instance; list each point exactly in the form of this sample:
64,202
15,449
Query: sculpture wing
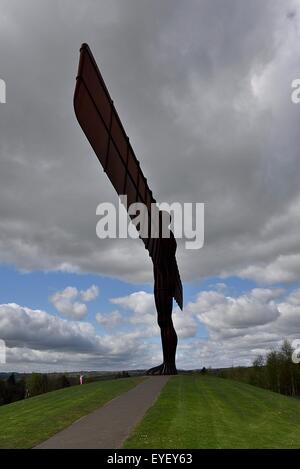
102,126
178,292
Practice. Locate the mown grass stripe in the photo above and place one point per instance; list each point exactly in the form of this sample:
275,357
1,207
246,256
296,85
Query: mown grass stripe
26,423
208,412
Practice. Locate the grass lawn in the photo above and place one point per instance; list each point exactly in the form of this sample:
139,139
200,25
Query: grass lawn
207,412
24,424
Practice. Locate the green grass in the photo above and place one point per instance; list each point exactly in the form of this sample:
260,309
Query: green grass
26,423
207,412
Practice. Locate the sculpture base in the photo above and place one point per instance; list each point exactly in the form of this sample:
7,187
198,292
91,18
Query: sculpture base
163,369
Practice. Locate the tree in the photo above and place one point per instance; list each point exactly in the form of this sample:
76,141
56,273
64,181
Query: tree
11,380
64,381
287,369
11,390
256,374
259,361
3,393
272,367
37,384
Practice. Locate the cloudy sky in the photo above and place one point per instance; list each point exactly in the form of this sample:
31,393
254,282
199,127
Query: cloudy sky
203,88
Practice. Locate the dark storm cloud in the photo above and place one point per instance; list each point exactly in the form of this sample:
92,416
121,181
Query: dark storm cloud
203,89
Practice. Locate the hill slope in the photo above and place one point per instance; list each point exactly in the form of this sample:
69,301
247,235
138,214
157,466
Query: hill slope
207,412
26,423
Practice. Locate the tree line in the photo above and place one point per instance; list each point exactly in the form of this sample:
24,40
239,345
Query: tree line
12,389
275,371
15,387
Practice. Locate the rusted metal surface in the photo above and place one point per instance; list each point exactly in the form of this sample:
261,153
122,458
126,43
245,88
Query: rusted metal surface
98,118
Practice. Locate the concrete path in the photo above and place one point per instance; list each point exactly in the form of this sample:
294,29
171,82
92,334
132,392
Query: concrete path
109,426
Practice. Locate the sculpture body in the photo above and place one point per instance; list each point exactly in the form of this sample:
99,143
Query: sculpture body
102,126
164,287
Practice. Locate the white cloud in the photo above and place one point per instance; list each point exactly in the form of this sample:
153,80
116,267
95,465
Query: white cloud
144,314
185,324
110,319
89,294
222,313
21,326
64,302
139,302
266,294
238,329
34,336
294,297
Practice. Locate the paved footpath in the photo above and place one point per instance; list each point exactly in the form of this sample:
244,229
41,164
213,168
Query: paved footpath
109,426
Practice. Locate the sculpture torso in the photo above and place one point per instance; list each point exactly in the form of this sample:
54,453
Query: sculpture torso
164,268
